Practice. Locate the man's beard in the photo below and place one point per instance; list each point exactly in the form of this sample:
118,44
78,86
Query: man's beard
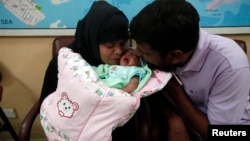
169,68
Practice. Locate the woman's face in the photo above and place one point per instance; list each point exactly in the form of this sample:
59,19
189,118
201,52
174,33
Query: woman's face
111,52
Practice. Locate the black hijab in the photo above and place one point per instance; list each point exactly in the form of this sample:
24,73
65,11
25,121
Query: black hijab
103,23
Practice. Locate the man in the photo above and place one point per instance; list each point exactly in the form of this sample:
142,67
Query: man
213,70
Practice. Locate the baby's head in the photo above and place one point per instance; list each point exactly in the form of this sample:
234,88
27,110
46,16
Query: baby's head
130,58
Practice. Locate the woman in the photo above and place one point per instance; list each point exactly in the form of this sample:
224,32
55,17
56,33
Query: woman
100,38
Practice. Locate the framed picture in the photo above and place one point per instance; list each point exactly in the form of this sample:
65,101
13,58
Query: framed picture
59,17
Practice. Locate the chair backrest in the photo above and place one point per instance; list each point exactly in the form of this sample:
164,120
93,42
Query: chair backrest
60,42
1,87
242,44
1,92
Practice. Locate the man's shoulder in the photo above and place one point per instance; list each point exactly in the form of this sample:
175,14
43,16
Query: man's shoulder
224,50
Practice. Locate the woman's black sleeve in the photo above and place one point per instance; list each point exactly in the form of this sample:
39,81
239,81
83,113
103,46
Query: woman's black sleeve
50,79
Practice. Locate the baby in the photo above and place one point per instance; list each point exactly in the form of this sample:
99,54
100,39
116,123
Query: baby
129,76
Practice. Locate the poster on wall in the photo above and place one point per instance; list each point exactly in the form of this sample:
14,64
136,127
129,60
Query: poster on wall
59,17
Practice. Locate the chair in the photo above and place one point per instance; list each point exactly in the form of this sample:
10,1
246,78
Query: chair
6,125
242,44
146,133
26,125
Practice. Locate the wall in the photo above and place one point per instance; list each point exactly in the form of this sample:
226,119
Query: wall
23,61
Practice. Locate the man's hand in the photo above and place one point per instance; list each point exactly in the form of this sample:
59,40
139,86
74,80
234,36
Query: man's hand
197,119
177,128
173,85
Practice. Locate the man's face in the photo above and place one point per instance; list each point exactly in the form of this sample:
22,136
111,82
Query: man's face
155,59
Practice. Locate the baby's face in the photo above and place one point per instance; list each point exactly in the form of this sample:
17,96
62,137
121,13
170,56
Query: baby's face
130,58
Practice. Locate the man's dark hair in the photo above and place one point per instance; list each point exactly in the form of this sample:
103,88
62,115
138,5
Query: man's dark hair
167,25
